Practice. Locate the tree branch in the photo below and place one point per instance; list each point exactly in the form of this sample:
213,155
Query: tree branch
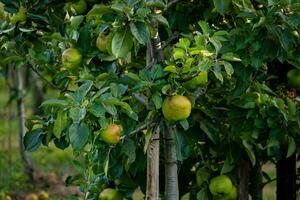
142,99
43,78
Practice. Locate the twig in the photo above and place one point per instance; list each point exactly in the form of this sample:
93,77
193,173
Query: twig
148,124
169,40
142,99
172,3
42,77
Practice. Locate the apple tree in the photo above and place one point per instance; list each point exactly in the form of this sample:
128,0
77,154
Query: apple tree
165,98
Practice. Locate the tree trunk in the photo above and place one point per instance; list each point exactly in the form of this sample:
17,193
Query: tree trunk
171,171
286,178
243,174
152,192
38,97
256,182
21,114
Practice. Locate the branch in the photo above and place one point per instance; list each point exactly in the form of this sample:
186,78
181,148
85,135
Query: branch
42,77
172,3
148,124
142,99
169,40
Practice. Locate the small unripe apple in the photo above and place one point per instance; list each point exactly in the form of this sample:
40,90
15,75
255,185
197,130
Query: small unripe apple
112,134
101,42
71,58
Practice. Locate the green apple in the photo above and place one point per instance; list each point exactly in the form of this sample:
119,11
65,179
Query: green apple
110,194
185,196
71,57
101,42
220,185
176,108
112,134
200,80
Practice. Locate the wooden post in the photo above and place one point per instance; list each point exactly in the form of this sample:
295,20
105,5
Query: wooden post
243,174
171,170
152,192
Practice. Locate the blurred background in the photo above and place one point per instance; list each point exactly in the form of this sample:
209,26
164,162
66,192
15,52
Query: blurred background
51,165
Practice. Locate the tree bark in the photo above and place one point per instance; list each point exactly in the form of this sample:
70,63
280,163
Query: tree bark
286,178
243,174
171,171
38,97
21,114
256,182
152,192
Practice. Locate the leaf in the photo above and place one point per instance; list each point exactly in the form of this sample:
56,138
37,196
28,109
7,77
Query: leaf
60,123
162,20
184,43
217,73
250,152
122,43
85,36
32,140
291,107
207,132
227,167
78,134
55,103
184,124
291,147
77,114
157,100
231,57
228,68
222,6
140,31
171,68
203,194
128,149
204,27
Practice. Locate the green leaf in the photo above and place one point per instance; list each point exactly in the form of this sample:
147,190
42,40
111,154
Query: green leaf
77,114
227,167
231,57
203,194
204,27
157,100
140,31
291,107
111,109
207,132
171,68
55,103
184,43
32,139
128,149
222,6
122,43
184,124
249,151
291,147
162,20
218,73
85,36
228,68
60,123
78,134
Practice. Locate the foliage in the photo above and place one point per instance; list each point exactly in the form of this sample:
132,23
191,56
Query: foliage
246,110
